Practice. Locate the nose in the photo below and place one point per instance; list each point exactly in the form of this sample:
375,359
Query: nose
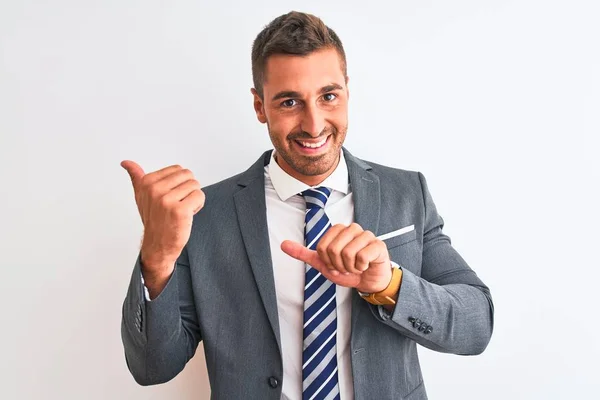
313,121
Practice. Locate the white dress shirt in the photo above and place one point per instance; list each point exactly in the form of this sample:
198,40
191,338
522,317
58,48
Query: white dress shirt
285,220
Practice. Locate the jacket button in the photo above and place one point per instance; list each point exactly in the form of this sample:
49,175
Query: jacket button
273,382
411,320
422,327
429,329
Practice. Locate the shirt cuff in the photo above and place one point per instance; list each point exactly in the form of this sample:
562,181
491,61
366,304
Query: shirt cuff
146,292
384,313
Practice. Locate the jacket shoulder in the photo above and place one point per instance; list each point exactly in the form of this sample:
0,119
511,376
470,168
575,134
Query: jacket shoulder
223,187
386,172
398,182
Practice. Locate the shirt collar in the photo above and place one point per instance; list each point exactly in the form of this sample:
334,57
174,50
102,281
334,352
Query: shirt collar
287,186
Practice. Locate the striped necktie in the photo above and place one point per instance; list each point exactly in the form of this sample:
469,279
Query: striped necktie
319,355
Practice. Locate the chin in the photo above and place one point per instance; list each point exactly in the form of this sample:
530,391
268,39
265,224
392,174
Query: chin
314,166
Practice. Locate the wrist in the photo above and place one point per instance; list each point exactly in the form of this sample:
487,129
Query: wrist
155,283
155,274
389,295
154,264
386,282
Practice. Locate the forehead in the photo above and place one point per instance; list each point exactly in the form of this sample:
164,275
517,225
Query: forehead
303,73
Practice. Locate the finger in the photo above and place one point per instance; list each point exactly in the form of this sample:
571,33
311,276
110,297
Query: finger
174,179
351,250
166,185
311,257
350,280
334,250
324,241
136,173
369,256
302,253
181,191
161,173
195,201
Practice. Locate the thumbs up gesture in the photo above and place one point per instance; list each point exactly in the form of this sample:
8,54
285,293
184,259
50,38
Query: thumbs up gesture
167,200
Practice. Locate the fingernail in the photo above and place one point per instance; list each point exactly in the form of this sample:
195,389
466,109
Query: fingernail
335,273
346,273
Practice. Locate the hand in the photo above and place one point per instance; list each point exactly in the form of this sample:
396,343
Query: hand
347,256
167,201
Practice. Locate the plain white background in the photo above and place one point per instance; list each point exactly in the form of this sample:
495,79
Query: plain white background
496,102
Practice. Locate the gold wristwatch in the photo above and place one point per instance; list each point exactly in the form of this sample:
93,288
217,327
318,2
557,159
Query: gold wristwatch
386,296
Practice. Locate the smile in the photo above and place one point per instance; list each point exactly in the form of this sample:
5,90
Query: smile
313,145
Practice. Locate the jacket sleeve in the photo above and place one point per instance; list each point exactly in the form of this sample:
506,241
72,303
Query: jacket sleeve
160,336
448,308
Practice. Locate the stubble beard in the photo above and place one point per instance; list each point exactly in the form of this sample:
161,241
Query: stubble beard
309,165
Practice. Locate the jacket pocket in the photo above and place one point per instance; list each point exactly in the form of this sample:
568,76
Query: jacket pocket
400,239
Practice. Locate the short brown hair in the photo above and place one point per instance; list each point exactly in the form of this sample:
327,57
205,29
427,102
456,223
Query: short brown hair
293,33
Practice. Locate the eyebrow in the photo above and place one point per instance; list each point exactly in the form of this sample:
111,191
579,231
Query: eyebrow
291,93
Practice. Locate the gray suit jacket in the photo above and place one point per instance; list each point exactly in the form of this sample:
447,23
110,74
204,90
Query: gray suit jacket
222,291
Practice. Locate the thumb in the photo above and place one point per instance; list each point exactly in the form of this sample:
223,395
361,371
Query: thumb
302,253
134,170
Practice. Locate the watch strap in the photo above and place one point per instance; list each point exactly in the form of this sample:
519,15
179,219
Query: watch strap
386,296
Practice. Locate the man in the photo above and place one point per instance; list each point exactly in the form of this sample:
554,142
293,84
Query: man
311,275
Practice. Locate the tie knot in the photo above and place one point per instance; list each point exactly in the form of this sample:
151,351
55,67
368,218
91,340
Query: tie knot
316,197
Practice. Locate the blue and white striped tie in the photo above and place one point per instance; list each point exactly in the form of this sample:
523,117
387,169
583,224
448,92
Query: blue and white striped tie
319,355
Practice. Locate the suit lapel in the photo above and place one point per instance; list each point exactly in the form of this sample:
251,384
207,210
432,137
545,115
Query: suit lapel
251,211
367,204
365,193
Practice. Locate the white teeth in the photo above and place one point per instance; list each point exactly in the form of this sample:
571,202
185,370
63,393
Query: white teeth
314,145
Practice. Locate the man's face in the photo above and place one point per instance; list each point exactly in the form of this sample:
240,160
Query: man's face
305,106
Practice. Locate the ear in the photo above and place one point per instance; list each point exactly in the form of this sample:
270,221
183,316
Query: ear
347,88
259,107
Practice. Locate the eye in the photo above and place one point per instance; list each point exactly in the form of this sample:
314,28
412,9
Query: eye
289,103
329,97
